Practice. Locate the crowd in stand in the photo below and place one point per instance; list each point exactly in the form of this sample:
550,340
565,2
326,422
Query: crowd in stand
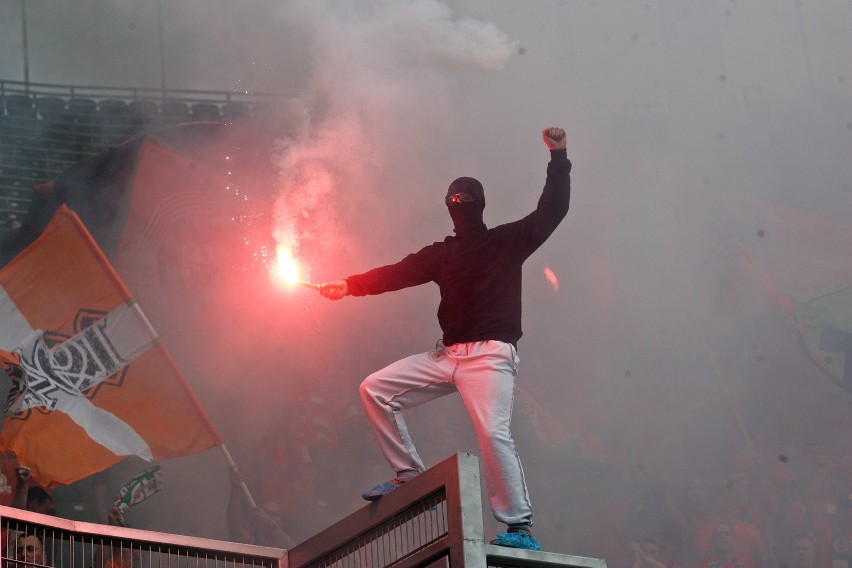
759,520
766,511
792,511
33,547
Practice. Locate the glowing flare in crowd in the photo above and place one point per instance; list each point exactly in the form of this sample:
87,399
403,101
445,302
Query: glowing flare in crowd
551,277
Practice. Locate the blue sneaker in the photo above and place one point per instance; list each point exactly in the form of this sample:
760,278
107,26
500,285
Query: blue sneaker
517,539
382,488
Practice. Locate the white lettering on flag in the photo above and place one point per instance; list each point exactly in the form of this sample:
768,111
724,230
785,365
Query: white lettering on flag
58,377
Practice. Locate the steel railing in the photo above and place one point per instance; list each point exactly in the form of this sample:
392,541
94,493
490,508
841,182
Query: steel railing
435,519
75,544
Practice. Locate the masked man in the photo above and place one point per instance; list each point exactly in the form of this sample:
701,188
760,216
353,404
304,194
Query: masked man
479,274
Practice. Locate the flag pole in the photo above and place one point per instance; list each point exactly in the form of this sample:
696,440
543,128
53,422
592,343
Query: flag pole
243,486
737,416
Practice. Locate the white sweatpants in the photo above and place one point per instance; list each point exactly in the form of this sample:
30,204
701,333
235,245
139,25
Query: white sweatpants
483,373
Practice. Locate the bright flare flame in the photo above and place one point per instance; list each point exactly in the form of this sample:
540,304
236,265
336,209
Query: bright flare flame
287,269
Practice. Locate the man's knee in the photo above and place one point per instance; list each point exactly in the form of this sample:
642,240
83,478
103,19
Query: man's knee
367,390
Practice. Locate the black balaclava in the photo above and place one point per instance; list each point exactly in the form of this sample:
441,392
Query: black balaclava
467,217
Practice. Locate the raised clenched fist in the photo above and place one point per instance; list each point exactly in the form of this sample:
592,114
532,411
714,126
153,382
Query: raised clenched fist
554,138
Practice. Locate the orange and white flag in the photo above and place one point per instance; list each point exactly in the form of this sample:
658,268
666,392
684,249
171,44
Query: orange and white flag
97,384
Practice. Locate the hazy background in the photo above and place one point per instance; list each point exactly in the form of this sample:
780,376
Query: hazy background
698,131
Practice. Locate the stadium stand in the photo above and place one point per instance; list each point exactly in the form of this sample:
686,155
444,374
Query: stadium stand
206,111
51,109
173,112
46,128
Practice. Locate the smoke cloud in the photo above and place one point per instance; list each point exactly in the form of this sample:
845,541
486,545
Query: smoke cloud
380,78
702,135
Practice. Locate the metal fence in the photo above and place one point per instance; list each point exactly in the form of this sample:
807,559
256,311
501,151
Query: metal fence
32,540
435,519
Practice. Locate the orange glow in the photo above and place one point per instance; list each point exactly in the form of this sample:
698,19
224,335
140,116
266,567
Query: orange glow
551,277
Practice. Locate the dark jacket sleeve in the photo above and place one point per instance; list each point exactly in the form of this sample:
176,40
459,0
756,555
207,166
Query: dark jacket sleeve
552,207
413,270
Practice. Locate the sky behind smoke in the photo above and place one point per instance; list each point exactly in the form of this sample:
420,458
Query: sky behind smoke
698,131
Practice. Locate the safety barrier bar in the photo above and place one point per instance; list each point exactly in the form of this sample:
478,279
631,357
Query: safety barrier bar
76,544
433,520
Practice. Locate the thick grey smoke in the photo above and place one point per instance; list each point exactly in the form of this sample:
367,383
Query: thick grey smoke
711,145
380,77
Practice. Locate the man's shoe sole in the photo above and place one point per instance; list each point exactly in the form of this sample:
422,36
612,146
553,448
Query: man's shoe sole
381,489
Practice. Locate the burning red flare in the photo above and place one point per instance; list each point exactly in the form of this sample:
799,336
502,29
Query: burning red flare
287,269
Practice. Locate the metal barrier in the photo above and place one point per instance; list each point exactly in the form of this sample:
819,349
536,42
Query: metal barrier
75,544
434,520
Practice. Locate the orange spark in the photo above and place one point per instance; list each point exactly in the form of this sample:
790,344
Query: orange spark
551,277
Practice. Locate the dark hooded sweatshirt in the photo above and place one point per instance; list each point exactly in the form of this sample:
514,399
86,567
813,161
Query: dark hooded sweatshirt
479,272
